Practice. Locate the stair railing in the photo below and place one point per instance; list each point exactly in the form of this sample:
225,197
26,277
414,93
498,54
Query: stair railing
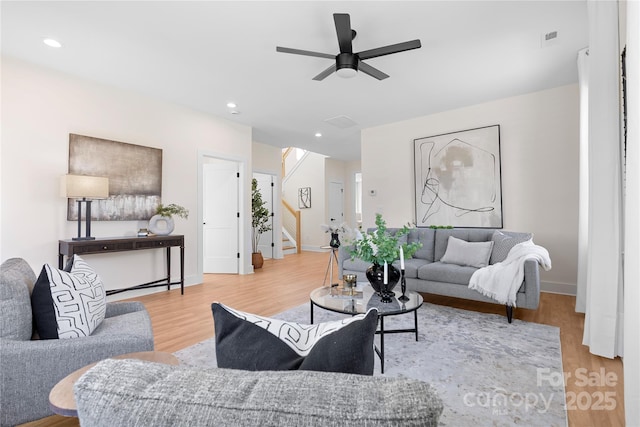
291,223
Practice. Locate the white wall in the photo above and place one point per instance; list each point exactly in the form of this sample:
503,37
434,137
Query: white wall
317,171
334,171
267,159
350,170
309,173
539,160
41,107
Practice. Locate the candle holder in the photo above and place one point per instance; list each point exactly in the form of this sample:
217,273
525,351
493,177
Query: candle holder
403,287
386,295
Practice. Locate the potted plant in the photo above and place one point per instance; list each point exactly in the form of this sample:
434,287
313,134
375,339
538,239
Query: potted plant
260,216
335,230
380,248
162,223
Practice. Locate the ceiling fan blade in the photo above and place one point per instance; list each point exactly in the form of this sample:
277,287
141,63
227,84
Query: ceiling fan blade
304,52
323,75
343,30
373,72
388,50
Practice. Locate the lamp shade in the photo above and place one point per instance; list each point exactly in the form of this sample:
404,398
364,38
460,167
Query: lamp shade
83,186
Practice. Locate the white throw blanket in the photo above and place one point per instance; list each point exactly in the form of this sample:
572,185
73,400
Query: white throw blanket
502,280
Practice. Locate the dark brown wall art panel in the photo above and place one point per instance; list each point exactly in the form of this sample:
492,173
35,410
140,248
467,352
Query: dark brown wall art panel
134,172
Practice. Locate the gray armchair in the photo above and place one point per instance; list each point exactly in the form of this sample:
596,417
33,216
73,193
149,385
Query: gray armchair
30,368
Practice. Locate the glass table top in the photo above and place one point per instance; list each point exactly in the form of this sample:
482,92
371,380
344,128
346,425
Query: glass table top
364,297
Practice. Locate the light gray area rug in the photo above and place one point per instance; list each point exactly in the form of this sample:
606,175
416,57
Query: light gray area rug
487,371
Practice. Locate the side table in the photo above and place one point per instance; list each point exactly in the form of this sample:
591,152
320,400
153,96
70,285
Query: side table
333,258
61,398
122,244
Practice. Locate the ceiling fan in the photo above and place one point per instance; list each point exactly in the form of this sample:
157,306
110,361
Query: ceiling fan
348,63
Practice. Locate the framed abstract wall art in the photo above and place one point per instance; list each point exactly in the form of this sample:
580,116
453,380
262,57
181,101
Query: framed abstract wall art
134,172
304,198
458,179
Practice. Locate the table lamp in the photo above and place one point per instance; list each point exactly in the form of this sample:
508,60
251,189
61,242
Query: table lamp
84,188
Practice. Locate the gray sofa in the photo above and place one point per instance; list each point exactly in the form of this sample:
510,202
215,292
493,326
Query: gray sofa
30,368
426,273
134,392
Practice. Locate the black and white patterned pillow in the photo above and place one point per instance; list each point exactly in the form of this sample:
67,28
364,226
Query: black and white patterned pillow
502,244
68,304
255,343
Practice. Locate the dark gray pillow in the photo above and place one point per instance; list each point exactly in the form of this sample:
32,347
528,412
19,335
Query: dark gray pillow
255,343
502,244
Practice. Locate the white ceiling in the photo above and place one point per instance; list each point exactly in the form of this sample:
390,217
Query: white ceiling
204,54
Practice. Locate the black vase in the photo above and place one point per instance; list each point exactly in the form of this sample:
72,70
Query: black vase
335,241
375,276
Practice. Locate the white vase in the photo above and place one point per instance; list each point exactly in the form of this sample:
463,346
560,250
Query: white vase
161,225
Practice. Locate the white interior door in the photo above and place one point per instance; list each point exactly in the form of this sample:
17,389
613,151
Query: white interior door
336,202
220,216
266,185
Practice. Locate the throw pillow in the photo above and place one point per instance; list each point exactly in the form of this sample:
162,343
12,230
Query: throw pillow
255,343
472,254
502,244
68,304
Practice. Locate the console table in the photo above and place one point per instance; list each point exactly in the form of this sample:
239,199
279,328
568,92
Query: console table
120,244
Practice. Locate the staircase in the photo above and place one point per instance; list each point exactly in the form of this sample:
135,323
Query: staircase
288,247
291,235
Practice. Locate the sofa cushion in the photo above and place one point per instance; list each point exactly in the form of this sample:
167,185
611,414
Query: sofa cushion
256,343
138,393
355,265
68,304
447,273
425,236
503,242
473,254
467,234
411,267
16,282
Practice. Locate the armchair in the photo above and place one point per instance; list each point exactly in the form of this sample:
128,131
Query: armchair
29,368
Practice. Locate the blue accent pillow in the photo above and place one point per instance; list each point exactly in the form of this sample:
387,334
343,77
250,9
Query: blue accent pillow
255,343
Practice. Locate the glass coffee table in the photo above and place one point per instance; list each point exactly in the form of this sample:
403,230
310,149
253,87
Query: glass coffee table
335,298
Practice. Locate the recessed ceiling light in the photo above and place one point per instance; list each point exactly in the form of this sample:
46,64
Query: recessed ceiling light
231,104
235,112
318,134
52,43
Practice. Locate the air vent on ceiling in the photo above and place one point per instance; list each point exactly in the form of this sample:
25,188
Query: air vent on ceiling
549,38
341,122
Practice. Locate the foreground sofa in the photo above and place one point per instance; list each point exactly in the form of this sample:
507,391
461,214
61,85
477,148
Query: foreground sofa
30,368
426,273
134,392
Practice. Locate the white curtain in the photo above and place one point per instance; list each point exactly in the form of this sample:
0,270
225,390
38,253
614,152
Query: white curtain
603,279
632,227
583,212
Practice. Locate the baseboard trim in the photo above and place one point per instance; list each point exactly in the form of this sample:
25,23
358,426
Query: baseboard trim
314,249
558,288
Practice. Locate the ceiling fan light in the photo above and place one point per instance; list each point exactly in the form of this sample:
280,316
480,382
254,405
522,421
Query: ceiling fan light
346,65
346,73
52,43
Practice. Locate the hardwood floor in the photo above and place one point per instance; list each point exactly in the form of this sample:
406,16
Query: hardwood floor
594,386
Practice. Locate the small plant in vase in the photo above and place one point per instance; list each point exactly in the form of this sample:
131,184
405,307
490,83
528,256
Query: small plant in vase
335,230
381,249
162,223
171,210
260,216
